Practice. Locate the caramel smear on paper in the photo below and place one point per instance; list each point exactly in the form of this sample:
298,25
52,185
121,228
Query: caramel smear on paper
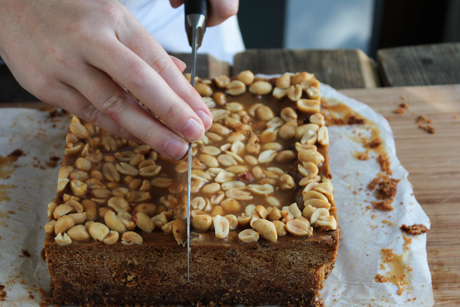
398,270
6,163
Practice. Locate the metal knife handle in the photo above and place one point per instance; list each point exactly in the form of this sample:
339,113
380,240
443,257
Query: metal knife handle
196,15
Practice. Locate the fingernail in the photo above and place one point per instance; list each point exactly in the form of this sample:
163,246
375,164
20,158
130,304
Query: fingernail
192,130
179,60
205,118
174,148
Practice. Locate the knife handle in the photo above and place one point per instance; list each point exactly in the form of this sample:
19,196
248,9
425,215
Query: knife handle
196,7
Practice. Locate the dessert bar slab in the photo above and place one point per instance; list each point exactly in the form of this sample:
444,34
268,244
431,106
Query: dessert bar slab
263,215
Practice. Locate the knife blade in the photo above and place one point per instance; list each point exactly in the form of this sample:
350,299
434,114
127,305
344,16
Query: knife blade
195,26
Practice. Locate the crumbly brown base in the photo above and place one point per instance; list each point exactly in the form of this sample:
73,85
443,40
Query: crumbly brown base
287,273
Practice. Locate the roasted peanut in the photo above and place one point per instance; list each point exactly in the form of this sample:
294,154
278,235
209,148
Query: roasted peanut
110,172
284,81
248,236
266,229
62,240
78,233
323,136
328,222
295,92
203,89
274,215
280,228
222,81
298,227
279,93
130,238
114,222
179,229
98,231
287,131
308,105
285,156
221,226
49,227
230,205
316,214
235,88
127,169
247,77
111,238
264,113
260,88
143,221
217,210
202,222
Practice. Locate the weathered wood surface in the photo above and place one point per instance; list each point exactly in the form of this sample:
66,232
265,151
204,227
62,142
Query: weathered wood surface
206,65
420,65
343,68
433,162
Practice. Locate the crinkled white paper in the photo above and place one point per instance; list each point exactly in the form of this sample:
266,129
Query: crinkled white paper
362,231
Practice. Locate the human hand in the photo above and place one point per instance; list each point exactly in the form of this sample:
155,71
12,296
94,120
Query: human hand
72,54
219,10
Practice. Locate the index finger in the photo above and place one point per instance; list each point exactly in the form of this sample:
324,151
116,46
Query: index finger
133,73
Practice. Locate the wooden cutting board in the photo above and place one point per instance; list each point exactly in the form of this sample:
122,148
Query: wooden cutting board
433,162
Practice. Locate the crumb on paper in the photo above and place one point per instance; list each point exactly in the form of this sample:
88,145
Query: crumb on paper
53,111
403,97
354,120
374,143
415,229
385,164
17,153
25,253
456,116
2,293
387,188
362,155
380,278
383,205
373,184
399,110
428,128
53,161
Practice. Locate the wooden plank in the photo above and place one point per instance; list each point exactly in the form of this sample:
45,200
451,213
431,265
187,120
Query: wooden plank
433,162
420,65
344,68
206,65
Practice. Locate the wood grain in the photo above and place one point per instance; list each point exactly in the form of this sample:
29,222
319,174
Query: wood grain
420,65
206,65
433,162
343,68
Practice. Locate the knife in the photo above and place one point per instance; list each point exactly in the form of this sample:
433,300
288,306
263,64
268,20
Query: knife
196,12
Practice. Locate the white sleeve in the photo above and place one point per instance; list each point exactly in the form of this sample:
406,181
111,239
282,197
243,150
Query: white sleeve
167,26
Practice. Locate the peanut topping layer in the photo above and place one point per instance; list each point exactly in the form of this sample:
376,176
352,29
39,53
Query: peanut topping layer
260,170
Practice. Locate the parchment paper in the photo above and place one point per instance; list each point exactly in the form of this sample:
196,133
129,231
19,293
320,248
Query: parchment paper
363,231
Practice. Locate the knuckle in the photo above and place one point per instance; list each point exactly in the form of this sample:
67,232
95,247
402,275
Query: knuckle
162,65
114,12
136,73
113,106
91,114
